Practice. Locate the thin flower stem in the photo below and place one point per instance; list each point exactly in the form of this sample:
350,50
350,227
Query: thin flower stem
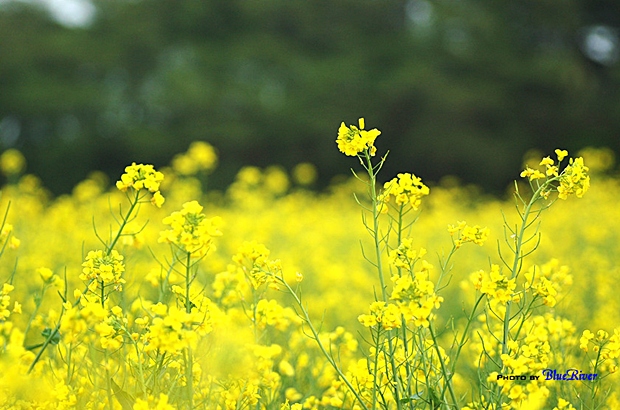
110,247
316,338
376,369
518,258
188,359
462,342
375,217
377,242
132,206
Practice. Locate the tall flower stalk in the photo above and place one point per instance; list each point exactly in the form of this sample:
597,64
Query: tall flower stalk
103,268
191,234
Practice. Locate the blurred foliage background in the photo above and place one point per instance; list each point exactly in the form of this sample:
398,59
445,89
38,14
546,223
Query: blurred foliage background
461,87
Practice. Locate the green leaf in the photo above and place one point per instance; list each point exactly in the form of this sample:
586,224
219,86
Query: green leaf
46,334
124,398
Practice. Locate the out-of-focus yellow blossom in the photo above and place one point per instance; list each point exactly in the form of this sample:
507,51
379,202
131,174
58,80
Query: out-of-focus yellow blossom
286,369
45,273
5,301
7,232
132,235
151,403
598,159
230,286
293,394
200,156
253,259
12,162
406,189
304,173
90,188
465,233
250,175
191,230
563,405
287,406
275,180
354,140
386,315
405,256
271,313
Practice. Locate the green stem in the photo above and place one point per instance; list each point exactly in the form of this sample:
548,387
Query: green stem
444,369
139,359
189,376
461,343
69,371
133,205
375,220
376,368
377,242
108,382
315,336
54,333
518,259
101,283
37,306
46,343
593,385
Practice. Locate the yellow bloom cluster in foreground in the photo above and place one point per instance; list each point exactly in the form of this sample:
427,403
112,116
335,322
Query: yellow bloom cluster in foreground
268,296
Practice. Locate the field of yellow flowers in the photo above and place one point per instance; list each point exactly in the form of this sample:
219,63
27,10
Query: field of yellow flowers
152,292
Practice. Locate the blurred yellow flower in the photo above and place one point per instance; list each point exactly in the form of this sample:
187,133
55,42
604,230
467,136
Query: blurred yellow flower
191,230
12,162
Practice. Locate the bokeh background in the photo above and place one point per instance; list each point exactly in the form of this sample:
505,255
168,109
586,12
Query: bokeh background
458,87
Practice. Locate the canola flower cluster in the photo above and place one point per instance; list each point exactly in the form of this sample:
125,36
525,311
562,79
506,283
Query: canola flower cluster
352,140
406,189
191,230
573,179
280,310
140,176
104,268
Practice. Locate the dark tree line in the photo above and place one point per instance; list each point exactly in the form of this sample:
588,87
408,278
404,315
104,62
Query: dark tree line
457,87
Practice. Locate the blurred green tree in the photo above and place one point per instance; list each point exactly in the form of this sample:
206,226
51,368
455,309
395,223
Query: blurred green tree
457,87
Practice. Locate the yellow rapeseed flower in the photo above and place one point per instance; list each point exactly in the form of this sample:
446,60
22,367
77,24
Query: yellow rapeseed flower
574,179
191,230
140,176
101,267
12,162
200,156
561,153
406,189
465,233
354,140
